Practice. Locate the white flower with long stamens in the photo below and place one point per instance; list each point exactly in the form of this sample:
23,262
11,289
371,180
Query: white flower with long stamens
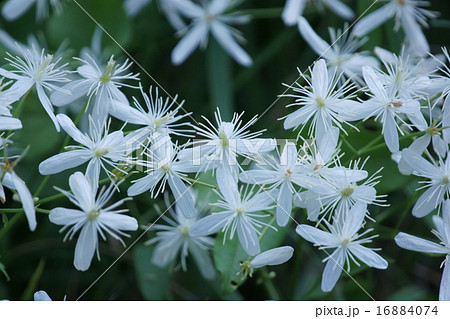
159,116
339,193
271,257
408,14
348,244
163,166
342,55
283,174
93,217
438,184
240,214
388,107
11,180
101,82
13,9
225,142
211,17
414,243
293,9
321,102
98,148
36,69
174,239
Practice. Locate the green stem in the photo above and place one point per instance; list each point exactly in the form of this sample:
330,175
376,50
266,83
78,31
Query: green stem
270,287
264,231
21,210
403,215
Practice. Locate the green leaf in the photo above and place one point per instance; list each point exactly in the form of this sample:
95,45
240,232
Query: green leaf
153,281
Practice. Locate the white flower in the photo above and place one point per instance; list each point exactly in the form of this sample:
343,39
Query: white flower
445,79
14,9
98,148
157,116
342,55
282,174
388,107
414,243
41,295
93,217
210,17
408,15
438,184
271,257
294,9
103,83
168,7
36,69
174,239
321,102
348,244
133,7
239,214
163,166
12,181
225,142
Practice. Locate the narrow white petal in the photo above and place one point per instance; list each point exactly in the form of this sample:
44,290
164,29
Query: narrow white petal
41,295
284,205
209,225
390,133
26,198
340,9
320,46
319,78
189,42
126,113
315,236
428,201
119,221
372,21
143,184
203,261
63,161
77,89
85,247
275,256
444,289
258,176
248,237
292,10
13,9
69,127
414,243
82,190
419,164
368,256
9,123
182,195
65,216
45,101
332,271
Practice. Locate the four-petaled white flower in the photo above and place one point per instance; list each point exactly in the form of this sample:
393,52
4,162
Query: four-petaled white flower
321,102
346,241
101,82
37,69
210,17
174,239
93,217
414,243
98,148
240,214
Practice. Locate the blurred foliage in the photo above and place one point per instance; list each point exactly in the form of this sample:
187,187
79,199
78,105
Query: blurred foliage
41,260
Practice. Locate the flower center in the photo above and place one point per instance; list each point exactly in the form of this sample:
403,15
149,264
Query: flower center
39,72
345,242
401,2
240,211
346,192
395,104
224,139
445,179
93,214
288,173
99,152
184,230
320,101
161,121
110,69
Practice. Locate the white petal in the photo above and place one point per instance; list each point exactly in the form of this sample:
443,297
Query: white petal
26,198
45,101
66,216
203,261
258,176
228,186
292,10
418,44
419,164
275,256
319,78
248,237
15,8
77,89
390,133
368,256
126,113
69,127
9,123
209,225
182,196
85,247
145,183
284,205
414,243
428,201
372,21
119,221
63,161
320,46
82,190
373,81
41,295
332,271
340,9
316,236
189,42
